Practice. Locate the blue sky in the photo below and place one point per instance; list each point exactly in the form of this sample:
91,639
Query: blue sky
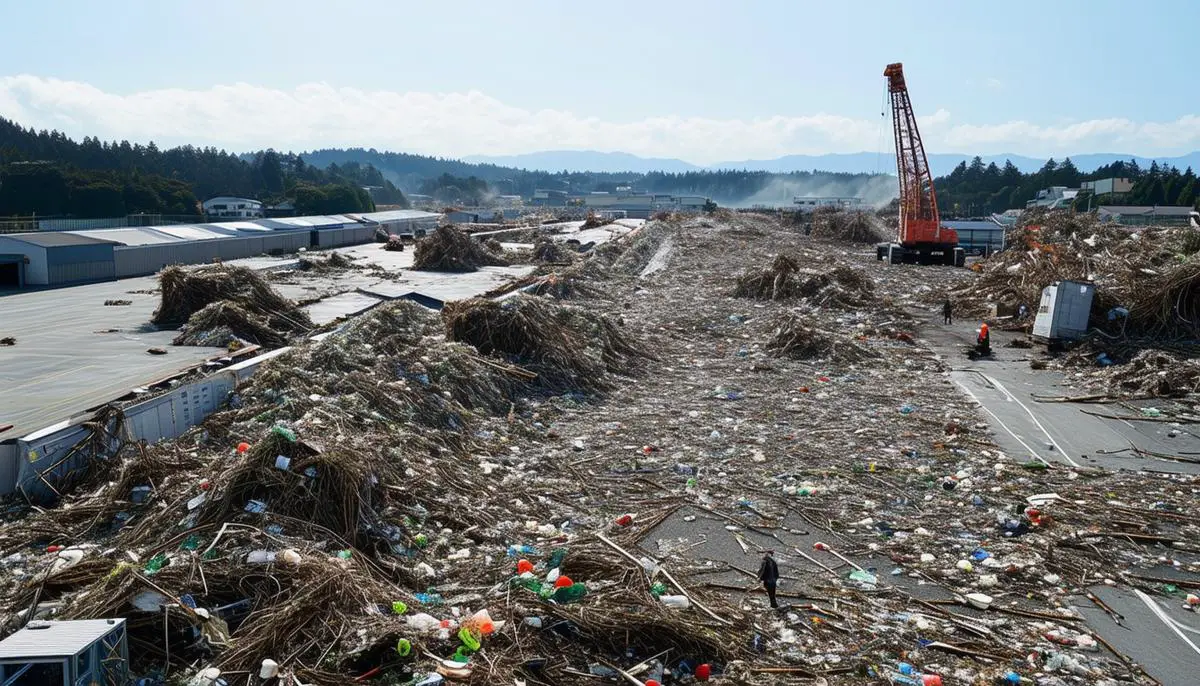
693,80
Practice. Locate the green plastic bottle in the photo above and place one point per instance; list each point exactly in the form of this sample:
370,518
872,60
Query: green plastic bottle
570,594
156,563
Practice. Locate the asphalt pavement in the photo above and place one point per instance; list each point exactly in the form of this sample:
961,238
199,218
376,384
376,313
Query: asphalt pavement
1157,633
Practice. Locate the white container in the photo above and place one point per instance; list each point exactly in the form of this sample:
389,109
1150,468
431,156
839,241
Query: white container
981,601
269,669
679,602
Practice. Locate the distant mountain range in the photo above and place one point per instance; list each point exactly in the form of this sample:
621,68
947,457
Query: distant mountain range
854,163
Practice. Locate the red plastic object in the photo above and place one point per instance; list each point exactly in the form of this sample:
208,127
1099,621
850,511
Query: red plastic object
563,581
243,447
524,566
804,389
205,485
652,682
53,548
624,520
931,680
703,672
823,379
820,546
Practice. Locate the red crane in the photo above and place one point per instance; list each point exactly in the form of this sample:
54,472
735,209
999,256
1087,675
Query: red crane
922,237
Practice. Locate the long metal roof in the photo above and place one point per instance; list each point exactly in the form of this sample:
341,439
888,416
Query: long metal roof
55,639
52,239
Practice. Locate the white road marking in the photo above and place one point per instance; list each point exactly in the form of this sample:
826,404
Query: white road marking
1164,618
999,421
1029,412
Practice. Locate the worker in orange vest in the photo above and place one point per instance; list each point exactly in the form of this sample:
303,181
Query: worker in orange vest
983,342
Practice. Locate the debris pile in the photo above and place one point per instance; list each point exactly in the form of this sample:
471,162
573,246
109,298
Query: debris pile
547,250
1145,272
336,261
219,303
776,282
450,249
844,287
1152,373
846,226
572,283
411,499
394,244
568,347
795,339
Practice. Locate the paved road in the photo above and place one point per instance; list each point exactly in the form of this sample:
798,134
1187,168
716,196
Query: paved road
1155,632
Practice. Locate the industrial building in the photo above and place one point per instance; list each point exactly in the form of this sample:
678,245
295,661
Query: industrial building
1136,215
234,208
61,258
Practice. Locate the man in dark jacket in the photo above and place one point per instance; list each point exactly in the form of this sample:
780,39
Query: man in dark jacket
768,573
947,312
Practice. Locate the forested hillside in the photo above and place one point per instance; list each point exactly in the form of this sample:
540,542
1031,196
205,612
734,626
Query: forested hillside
418,174
47,173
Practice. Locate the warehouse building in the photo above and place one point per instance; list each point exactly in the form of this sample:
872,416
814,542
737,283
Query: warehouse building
54,258
63,258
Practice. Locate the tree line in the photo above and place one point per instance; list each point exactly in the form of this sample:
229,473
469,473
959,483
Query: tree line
976,189
47,173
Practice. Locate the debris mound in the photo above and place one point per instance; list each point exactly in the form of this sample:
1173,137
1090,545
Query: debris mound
394,244
335,262
8,340
794,339
568,348
776,282
1146,272
594,221
831,223
548,250
450,249
570,284
1156,373
221,323
186,292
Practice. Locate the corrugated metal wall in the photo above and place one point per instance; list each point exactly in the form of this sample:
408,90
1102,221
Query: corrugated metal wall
148,259
8,467
335,238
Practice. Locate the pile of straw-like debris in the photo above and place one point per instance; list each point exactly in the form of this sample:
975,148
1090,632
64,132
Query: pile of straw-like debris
595,221
1147,272
450,249
222,302
394,244
568,348
573,283
847,226
795,339
1155,373
549,251
776,282
842,286
336,261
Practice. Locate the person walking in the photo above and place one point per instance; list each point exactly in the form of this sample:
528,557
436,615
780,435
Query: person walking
768,573
947,312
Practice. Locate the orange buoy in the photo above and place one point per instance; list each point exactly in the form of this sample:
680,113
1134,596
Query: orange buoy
524,566
563,581
243,447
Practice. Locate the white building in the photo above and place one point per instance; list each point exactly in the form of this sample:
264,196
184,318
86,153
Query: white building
808,203
240,208
1054,198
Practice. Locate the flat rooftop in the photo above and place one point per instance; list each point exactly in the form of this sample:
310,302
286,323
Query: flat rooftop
55,639
74,353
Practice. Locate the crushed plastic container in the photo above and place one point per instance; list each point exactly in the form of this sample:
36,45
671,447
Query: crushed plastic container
678,602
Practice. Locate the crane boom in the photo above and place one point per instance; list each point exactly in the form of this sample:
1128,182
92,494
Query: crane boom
921,232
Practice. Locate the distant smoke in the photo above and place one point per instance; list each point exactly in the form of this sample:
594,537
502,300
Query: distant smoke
875,191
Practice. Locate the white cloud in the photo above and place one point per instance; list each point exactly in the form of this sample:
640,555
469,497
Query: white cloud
242,117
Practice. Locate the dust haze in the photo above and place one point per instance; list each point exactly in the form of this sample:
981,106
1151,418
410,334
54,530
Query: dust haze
876,191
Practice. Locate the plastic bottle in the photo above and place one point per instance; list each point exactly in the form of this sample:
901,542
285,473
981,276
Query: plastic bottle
569,594
679,602
516,550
